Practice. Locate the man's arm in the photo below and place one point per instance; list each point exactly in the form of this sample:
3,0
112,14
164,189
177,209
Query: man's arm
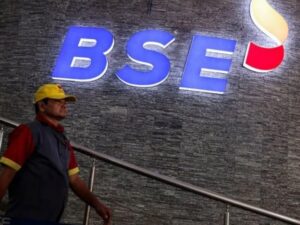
82,191
6,176
20,147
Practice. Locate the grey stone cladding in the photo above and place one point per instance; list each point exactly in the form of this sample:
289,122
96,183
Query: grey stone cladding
244,144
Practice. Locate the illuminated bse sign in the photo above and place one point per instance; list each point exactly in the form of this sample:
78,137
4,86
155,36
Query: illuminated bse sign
83,54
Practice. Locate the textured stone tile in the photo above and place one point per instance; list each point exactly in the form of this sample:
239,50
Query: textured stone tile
243,144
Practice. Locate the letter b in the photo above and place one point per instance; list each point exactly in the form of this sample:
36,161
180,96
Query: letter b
82,57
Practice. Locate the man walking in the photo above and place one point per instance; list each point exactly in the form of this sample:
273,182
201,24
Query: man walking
39,164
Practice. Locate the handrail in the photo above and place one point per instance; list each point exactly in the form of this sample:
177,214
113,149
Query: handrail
172,181
91,185
1,137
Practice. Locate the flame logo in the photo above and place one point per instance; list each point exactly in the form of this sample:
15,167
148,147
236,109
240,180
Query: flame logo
269,21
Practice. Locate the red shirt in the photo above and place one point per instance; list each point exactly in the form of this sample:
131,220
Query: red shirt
21,146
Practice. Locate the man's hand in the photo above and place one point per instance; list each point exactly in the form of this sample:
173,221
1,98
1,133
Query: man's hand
104,212
82,191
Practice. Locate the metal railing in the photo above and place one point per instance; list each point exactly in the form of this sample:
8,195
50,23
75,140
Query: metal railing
91,185
171,181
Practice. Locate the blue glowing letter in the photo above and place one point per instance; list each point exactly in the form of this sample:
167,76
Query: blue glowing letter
82,57
159,63
198,62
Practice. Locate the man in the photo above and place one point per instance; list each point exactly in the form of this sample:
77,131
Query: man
39,164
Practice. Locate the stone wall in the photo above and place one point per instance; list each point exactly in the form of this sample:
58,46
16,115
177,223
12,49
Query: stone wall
243,144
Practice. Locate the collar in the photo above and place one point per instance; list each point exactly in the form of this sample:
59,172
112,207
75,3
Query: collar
43,119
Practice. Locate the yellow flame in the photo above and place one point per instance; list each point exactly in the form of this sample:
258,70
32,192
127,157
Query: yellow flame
269,21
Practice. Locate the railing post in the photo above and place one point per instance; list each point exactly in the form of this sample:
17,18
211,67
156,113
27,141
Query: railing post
91,184
1,137
227,216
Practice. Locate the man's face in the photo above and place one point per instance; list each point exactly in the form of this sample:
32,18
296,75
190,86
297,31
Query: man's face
55,109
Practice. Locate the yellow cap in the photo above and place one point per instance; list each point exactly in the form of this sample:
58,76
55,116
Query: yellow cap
53,91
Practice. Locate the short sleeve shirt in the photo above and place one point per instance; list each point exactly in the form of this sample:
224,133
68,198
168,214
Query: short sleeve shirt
21,146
